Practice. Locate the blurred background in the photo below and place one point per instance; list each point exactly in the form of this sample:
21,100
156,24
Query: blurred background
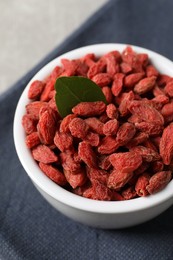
30,29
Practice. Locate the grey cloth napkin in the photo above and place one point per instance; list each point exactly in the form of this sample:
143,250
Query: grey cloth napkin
29,227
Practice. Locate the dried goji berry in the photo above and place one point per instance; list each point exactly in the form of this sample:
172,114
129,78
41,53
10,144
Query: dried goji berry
146,112
125,133
32,140
89,108
29,124
78,128
132,79
115,53
137,139
143,59
96,68
46,127
35,89
44,154
33,109
126,99
63,141
112,66
141,184
53,173
159,101
75,179
93,139
128,55
118,179
167,109
169,88
97,191
102,79
145,85
112,111
69,66
82,68
125,162
89,59
166,144
108,93
97,175
87,154
108,145
95,124
68,162
47,108
56,72
64,126
151,129
148,154
117,84
52,104
47,89
158,181
151,71
125,68
111,127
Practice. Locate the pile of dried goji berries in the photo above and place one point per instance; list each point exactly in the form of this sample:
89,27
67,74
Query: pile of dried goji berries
117,151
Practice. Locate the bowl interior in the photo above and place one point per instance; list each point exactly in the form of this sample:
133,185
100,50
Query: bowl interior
164,66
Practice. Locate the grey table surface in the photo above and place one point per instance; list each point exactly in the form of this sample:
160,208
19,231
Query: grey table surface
29,30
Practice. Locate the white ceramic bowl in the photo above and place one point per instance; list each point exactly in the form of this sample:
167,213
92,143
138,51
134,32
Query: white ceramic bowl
101,214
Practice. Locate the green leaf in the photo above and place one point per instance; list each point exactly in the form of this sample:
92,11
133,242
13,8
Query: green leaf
72,90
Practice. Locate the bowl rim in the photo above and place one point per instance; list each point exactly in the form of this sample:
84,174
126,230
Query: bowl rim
51,188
